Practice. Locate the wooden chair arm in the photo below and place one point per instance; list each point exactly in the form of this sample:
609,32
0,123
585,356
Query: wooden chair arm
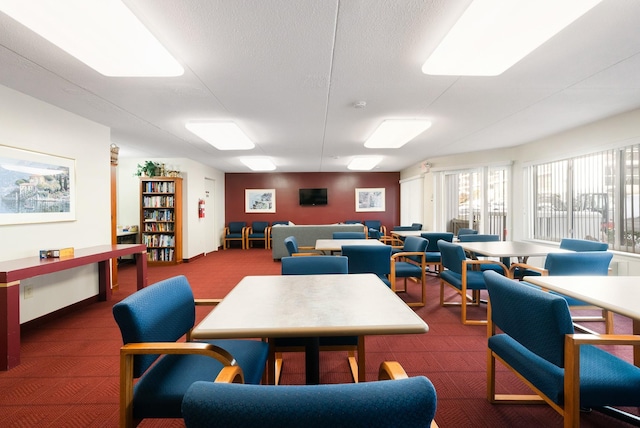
405,254
230,374
602,339
506,271
395,242
179,348
207,302
305,254
390,370
525,266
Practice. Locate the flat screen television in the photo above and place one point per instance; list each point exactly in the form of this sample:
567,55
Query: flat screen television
313,196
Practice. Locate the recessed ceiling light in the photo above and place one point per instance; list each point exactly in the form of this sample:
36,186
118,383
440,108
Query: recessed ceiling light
395,133
365,163
492,35
103,34
221,135
258,163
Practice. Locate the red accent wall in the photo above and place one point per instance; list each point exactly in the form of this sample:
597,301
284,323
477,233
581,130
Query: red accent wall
340,195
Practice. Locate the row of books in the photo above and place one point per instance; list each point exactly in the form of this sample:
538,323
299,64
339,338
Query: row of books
158,201
158,227
158,240
159,187
158,215
160,255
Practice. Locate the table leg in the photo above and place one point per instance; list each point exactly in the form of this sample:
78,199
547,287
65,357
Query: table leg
636,349
141,268
312,360
9,325
104,280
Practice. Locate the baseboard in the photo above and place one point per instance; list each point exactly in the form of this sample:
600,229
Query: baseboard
44,319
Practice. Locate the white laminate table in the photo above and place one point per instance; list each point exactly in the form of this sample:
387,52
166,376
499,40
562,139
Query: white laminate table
336,244
405,233
619,294
310,306
507,249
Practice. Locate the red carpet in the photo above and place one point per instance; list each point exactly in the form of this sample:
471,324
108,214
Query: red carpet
68,376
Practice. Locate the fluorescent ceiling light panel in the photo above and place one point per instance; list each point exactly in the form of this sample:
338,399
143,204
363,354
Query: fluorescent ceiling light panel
221,135
493,35
258,163
395,133
366,163
103,34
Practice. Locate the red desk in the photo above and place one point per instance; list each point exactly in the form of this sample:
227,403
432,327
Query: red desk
12,271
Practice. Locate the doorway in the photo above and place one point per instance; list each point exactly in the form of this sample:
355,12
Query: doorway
209,218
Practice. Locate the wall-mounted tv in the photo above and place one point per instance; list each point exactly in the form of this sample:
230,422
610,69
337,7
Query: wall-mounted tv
313,196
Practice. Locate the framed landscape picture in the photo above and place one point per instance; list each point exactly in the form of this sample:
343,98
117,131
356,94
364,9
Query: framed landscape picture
368,200
35,187
260,200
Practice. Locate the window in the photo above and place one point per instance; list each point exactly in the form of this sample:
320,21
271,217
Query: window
595,197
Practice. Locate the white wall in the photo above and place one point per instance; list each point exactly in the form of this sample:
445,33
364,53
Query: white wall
30,124
615,131
193,182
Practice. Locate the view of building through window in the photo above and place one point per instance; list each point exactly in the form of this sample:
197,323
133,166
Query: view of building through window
595,197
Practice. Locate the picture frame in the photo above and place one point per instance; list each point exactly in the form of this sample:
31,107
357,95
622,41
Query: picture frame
36,187
370,200
260,200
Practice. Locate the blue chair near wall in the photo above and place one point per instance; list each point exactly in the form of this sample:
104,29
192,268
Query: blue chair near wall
151,322
459,274
581,245
538,343
349,235
433,252
375,229
411,263
319,265
466,231
258,231
394,401
593,263
369,259
235,231
274,223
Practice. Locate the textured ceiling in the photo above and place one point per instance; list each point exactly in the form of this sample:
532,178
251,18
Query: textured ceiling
289,73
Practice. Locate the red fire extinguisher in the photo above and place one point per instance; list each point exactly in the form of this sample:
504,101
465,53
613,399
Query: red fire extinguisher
200,208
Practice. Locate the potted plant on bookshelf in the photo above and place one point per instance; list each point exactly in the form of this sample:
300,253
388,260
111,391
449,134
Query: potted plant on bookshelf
149,169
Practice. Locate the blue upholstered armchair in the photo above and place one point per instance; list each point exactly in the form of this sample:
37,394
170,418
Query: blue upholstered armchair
578,263
320,265
466,231
369,259
375,229
258,231
462,275
433,252
477,237
398,402
291,244
411,262
582,245
538,343
235,231
151,322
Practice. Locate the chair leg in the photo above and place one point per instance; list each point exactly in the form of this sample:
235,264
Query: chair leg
277,368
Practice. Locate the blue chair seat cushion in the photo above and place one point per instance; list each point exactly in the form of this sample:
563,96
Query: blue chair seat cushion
604,378
159,392
233,235
256,235
407,270
475,280
433,256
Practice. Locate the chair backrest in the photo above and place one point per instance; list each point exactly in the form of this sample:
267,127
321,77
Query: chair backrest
259,226
536,319
416,226
368,258
452,256
162,312
434,237
584,263
474,237
466,231
352,221
408,403
314,265
583,245
415,244
280,222
373,224
349,235
236,226
291,244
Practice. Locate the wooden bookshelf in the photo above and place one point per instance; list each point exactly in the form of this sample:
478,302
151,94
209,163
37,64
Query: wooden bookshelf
161,219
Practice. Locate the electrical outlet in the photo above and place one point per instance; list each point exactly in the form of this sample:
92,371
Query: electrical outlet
28,292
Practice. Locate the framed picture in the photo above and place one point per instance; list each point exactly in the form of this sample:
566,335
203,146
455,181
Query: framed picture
368,200
260,200
35,187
